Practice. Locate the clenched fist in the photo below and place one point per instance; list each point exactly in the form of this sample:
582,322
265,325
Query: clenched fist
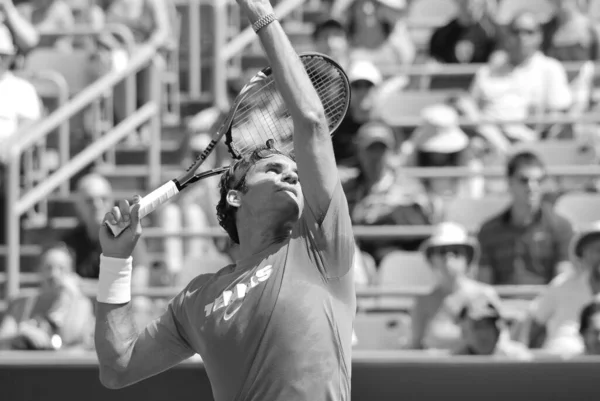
255,9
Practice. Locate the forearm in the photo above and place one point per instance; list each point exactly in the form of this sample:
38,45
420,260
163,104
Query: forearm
291,78
24,33
115,337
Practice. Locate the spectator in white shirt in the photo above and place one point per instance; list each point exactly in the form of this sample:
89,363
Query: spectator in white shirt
555,315
519,82
19,101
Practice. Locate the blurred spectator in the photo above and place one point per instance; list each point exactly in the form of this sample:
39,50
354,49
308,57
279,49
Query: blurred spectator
485,332
517,83
378,30
528,243
589,327
148,20
364,79
20,106
50,16
453,256
94,199
570,35
469,38
186,258
380,194
555,314
59,316
440,142
22,34
330,38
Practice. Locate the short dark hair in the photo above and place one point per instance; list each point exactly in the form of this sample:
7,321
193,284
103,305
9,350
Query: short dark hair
523,159
235,178
586,314
329,23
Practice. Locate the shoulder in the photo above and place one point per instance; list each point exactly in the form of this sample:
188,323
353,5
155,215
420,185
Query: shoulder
557,220
550,64
491,226
192,290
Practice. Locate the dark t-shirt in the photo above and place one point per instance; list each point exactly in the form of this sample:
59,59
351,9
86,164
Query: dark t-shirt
457,44
87,252
344,142
278,325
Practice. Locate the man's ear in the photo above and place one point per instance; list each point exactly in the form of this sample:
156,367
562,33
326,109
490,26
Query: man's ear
233,198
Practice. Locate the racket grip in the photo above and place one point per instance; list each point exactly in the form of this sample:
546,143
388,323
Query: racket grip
148,204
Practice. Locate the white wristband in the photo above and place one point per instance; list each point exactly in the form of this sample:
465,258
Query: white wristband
114,283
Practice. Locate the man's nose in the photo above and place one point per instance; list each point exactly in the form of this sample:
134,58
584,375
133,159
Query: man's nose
290,177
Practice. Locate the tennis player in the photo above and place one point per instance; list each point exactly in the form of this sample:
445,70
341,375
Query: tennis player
277,324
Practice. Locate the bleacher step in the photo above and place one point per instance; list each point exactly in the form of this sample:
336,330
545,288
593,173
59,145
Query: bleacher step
133,178
171,153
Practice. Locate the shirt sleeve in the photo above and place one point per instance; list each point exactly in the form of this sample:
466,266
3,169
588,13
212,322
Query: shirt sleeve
559,96
29,107
168,331
543,307
333,239
564,233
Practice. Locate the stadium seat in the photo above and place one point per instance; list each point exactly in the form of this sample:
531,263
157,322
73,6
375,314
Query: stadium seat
559,152
401,268
472,213
507,9
395,107
376,331
579,207
73,66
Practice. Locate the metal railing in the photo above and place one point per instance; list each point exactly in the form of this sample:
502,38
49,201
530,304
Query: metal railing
18,203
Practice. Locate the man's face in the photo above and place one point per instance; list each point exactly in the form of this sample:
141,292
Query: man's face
481,335
361,101
373,158
333,42
524,36
591,337
272,189
55,266
471,9
590,255
94,201
526,186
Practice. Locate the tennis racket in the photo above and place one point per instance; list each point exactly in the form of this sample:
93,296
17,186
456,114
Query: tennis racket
259,115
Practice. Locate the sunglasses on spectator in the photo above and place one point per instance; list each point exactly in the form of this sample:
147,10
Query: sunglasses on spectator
526,180
524,31
448,249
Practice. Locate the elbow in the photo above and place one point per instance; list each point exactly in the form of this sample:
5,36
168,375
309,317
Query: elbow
313,120
112,379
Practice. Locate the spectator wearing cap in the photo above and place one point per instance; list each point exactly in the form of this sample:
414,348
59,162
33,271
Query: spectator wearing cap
452,255
517,83
527,243
484,331
589,327
330,38
380,194
365,79
440,142
471,37
22,33
20,107
555,314
570,34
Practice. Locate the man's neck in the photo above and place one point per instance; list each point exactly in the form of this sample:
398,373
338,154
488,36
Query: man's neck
255,237
522,214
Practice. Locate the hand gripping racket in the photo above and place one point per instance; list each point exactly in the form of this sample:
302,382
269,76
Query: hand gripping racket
257,116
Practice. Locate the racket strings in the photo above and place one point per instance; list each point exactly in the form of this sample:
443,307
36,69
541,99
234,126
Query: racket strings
262,115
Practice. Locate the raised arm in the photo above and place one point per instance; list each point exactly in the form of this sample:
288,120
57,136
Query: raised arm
312,143
24,34
125,355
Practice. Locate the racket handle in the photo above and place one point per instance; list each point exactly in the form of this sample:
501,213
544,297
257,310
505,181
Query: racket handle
148,204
